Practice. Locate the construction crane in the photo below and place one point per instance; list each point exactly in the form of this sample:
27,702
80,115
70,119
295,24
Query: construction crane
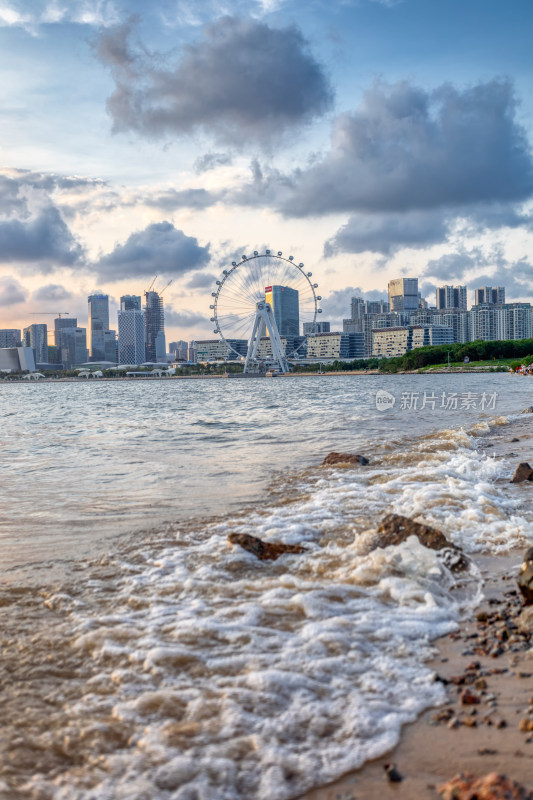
165,287
151,285
49,313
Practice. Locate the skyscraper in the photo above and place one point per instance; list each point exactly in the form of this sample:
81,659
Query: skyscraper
61,327
110,346
451,297
130,302
10,337
73,346
489,295
131,331
286,309
154,323
36,337
403,294
98,323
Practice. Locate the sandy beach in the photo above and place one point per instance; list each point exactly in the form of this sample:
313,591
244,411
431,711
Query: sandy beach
486,723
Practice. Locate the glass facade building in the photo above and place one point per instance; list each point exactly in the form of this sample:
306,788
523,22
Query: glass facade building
284,302
98,324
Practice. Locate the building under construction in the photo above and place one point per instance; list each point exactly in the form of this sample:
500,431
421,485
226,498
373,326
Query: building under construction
154,322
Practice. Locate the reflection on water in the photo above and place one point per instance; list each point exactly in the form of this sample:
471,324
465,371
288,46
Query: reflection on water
85,461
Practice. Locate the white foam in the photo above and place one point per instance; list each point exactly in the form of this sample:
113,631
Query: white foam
249,680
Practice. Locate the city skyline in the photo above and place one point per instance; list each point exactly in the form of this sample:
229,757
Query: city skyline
362,166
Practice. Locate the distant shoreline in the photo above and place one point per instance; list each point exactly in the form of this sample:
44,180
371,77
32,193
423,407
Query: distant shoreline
237,376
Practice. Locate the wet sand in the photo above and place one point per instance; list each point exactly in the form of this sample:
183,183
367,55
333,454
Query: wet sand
496,667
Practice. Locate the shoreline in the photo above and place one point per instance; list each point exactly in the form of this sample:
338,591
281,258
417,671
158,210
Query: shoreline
486,736
237,376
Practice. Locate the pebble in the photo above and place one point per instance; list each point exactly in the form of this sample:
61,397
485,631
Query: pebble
392,773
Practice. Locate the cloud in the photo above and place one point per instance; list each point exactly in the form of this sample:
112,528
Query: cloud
52,291
516,276
99,13
201,280
158,249
185,319
389,232
211,161
452,266
44,240
11,292
407,149
185,198
243,82
336,306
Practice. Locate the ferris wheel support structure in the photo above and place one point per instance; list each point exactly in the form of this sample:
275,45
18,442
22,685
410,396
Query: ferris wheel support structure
243,303
264,321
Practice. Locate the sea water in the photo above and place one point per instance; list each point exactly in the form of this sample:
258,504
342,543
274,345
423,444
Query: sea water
143,657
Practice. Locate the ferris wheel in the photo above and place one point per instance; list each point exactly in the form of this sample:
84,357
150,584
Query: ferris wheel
248,305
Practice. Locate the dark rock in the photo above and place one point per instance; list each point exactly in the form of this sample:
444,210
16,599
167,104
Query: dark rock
265,551
469,698
395,529
344,458
391,771
515,439
489,787
523,472
525,577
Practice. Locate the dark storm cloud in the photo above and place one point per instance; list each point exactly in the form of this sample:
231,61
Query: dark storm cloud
158,249
212,161
406,148
452,266
517,277
43,239
185,319
201,280
387,233
51,291
244,81
11,292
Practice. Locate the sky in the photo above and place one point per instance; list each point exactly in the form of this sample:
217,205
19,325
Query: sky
371,139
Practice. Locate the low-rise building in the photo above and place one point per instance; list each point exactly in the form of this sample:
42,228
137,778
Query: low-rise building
220,350
16,359
392,342
336,345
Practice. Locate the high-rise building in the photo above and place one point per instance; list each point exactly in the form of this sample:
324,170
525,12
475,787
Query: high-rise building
36,337
110,346
193,352
10,337
154,323
98,323
179,350
160,347
286,309
130,302
489,296
316,327
131,336
61,325
403,294
451,297
73,346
